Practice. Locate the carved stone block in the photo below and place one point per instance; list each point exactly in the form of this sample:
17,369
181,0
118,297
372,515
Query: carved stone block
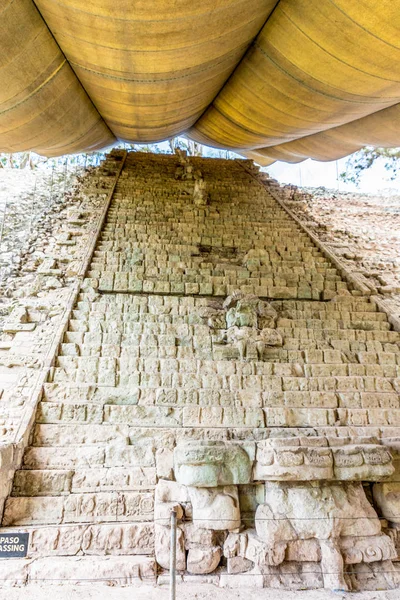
211,464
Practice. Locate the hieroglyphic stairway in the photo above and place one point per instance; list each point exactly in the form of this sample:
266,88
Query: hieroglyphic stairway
216,362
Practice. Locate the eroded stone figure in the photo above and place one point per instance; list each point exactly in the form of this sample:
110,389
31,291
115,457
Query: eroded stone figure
244,324
320,513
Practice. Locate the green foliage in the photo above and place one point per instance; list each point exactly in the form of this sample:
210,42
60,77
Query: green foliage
365,158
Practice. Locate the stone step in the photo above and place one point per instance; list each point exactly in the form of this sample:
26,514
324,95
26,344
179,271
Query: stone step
91,507
67,438
161,398
88,456
289,328
227,381
116,345
319,311
64,570
122,539
91,373
221,416
133,377
102,479
106,367
76,434
328,320
131,302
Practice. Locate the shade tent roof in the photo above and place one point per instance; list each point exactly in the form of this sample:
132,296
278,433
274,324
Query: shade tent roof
272,80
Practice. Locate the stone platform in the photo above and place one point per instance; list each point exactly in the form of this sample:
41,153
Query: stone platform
216,362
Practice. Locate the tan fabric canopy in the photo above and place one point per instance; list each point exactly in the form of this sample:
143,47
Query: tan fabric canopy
274,80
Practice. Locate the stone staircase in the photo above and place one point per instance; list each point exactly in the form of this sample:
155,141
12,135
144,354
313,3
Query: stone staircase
141,370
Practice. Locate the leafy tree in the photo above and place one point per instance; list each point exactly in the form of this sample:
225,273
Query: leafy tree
362,160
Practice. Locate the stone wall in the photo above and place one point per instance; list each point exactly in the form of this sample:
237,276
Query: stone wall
215,362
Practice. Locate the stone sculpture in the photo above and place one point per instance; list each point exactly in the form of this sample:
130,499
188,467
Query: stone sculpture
212,464
200,194
185,171
195,184
243,327
313,507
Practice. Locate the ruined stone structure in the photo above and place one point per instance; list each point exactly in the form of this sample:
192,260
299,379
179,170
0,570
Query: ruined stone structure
214,361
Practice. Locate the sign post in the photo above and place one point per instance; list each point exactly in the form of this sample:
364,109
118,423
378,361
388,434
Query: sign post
14,545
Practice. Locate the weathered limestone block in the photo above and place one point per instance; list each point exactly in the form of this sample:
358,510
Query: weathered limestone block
274,461
325,512
42,483
200,195
114,570
387,499
26,510
356,550
108,506
332,565
238,564
362,462
312,459
52,458
69,540
215,508
203,560
134,455
247,546
10,456
18,320
196,537
382,575
211,464
171,491
163,547
169,496
315,510
209,510
104,479
155,416
251,342
165,463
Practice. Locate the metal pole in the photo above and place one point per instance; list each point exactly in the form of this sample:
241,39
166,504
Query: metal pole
172,566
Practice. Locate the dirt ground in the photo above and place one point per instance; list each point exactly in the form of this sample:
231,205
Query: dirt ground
183,592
